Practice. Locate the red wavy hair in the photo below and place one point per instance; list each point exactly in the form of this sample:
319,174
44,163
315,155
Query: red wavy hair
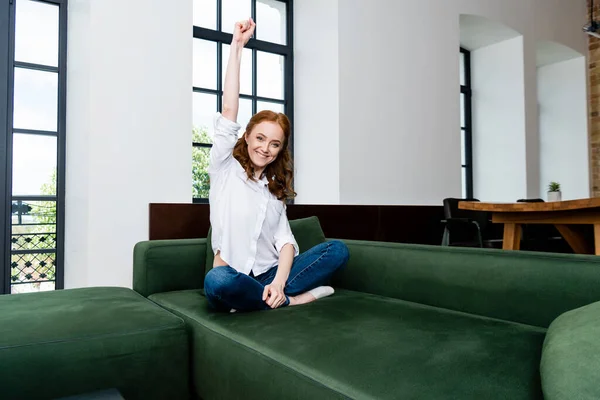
280,172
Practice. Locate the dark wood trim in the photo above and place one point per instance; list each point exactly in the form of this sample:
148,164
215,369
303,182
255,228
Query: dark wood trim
404,224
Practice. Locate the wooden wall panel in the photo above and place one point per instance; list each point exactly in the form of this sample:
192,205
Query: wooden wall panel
406,224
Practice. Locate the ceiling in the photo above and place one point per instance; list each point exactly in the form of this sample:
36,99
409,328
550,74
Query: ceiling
477,32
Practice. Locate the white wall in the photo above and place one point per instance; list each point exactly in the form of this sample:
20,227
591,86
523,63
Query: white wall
498,104
128,129
398,83
563,128
316,133
396,105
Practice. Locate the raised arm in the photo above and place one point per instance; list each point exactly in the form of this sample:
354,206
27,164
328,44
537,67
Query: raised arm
225,133
243,31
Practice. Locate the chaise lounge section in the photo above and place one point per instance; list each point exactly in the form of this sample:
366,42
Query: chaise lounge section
72,342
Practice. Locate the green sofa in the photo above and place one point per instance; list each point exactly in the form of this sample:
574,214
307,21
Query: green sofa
73,342
406,322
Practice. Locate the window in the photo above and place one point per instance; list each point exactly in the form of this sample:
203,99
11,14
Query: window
266,73
466,134
32,143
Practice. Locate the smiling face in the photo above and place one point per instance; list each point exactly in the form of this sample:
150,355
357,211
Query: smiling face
265,141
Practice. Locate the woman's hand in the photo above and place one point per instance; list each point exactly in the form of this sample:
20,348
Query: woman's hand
273,295
243,31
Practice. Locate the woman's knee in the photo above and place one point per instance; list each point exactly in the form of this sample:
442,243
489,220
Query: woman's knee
340,249
217,279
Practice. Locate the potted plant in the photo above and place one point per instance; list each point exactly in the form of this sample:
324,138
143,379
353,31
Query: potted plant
554,191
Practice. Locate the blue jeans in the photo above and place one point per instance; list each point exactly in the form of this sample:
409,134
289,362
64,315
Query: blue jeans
225,288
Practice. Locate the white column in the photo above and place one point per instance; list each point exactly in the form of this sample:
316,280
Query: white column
564,152
128,129
499,126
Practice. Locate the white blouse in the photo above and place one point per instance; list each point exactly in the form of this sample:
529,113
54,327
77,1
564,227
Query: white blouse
249,224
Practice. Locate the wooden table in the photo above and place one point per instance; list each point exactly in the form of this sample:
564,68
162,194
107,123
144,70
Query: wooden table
567,216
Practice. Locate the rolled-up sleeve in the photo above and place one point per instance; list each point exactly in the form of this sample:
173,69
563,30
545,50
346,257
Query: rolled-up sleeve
284,234
224,136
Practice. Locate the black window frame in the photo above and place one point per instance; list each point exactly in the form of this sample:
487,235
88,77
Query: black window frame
7,52
467,130
255,45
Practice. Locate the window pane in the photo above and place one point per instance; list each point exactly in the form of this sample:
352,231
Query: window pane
244,114
234,11
36,33
270,16
270,75
267,105
462,110
464,182
34,165
205,13
200,181
463,149
245,69
26,269
462,69
35,237
33,225
204,109
36,100
29,217
205,64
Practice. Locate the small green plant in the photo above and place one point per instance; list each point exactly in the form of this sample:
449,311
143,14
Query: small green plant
554,187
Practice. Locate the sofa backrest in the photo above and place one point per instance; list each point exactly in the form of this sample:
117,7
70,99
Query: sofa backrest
525,287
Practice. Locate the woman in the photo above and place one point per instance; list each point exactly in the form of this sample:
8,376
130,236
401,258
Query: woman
257,264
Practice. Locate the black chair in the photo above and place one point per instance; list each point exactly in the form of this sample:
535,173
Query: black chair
540,237
466,228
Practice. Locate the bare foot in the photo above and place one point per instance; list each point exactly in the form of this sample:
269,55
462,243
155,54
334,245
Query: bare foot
302,299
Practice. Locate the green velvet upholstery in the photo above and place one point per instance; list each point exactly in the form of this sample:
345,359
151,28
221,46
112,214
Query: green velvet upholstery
163,265
67,342
571,355
527,287
357,345
307,232
407,321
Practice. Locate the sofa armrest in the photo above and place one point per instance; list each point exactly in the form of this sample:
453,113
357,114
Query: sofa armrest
571,355
168,265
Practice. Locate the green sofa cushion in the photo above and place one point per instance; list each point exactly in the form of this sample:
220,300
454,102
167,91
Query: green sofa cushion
67,342
571,355
307,231
357,345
